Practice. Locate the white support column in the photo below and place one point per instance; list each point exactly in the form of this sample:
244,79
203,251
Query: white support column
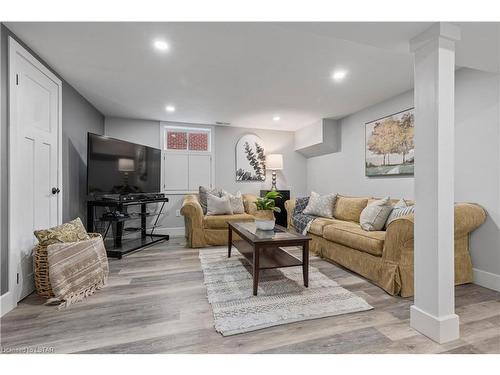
433,312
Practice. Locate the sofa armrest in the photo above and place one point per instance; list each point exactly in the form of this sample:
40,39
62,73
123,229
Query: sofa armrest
399,238
468,216
191,209
289,207
248,203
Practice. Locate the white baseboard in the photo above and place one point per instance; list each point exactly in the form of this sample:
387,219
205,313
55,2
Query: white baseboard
6,303
174,232
487,279
438,328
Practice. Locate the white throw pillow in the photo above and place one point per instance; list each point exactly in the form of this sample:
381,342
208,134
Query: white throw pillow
374,216
236,202
218,205
203,192
320,205
400,209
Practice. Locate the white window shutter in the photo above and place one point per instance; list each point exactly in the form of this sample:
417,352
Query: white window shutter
200,171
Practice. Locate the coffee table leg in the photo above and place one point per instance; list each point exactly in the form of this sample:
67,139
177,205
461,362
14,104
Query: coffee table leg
305,263
229,241
256,255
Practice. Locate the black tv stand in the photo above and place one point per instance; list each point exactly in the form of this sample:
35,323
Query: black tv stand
117,215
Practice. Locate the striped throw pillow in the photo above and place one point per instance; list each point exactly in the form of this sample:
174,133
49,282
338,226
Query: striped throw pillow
400,209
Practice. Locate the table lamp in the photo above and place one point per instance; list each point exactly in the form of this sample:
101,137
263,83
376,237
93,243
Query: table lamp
274,162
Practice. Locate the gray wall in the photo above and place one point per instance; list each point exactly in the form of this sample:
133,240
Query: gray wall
477,170
78,118
344,172
144,132
293,176
477,157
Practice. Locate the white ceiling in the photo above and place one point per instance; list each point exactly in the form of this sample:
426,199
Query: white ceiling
242,73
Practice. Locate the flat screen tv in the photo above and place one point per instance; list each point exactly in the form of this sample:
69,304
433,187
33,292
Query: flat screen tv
120,167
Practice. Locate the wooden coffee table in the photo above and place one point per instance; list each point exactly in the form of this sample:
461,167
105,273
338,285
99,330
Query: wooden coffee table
265,249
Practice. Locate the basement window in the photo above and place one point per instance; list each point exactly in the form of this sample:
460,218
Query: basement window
187,161
187,139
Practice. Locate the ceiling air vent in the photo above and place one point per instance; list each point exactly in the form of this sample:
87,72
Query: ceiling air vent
222,123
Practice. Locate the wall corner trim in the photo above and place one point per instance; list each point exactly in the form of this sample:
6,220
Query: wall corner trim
441,329
486,279
6,303
174,232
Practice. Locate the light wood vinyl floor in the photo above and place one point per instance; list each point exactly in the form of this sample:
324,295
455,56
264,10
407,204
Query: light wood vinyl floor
156,302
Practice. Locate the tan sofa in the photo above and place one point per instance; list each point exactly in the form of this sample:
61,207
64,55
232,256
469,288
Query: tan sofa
203,230
385,257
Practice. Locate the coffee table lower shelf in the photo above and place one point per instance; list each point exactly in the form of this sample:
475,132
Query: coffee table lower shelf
269,257
266,249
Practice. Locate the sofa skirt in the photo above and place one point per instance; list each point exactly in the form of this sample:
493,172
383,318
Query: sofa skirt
394,278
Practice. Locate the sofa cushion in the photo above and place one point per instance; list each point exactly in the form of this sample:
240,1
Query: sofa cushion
72,231
351,235
218,206
349,208
374,216
249,203
400,209
319,224
236,202
203,191
220,221
320,205
393,201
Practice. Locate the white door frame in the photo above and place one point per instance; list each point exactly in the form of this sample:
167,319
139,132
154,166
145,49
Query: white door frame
15,49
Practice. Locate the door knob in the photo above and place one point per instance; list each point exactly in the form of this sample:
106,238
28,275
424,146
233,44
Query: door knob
56,190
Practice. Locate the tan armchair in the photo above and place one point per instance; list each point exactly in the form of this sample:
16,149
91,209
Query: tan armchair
203,230
392,268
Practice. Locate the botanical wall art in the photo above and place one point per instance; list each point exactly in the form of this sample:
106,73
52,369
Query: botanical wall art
389,145
250,159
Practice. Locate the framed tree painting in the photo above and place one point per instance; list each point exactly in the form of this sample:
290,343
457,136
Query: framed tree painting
250,159
389,145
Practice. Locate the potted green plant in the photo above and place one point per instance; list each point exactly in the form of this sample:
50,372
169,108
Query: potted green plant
266,207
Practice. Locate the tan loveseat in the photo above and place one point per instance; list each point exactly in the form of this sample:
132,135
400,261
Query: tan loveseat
385,257
203,230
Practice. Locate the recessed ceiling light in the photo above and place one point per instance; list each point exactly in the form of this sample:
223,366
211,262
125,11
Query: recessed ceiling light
161,45
170,108
339,75
276,118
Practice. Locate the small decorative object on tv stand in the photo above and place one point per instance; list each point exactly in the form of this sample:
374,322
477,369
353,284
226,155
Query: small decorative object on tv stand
274,162
116,217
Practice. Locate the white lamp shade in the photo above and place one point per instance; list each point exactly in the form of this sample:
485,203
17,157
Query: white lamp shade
126,165
274,162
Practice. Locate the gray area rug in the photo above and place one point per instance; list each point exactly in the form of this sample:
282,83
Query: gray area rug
282,297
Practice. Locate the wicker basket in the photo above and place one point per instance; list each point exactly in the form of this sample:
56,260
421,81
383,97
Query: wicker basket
41,270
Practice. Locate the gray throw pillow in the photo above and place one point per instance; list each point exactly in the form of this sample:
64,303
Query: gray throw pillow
203,191
218,205
236,202
374,216
400,209
320,205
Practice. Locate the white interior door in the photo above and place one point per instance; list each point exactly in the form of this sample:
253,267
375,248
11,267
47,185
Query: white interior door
35,200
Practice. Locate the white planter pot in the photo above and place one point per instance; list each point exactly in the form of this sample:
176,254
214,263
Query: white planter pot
264,224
